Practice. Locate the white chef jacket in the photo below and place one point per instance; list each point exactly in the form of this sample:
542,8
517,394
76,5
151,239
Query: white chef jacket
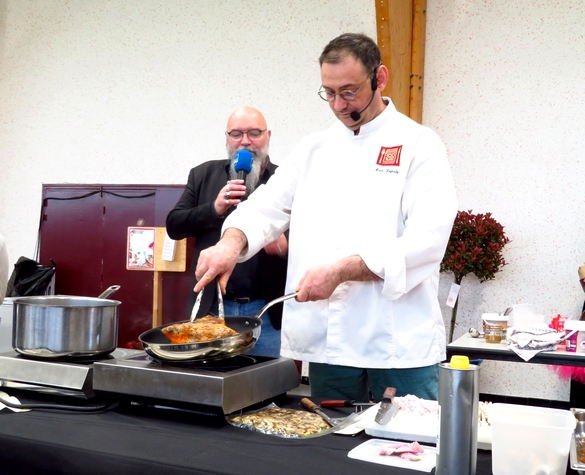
3,268
387,195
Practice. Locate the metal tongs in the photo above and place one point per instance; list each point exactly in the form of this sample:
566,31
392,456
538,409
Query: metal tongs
198,303
220,303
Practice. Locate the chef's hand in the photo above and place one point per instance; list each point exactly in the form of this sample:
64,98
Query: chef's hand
220,259
320,282
278,247
230,195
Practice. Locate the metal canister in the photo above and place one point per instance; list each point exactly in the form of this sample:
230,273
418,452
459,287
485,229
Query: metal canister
458,417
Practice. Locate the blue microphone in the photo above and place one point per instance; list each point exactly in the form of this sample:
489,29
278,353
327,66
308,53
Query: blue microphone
243,164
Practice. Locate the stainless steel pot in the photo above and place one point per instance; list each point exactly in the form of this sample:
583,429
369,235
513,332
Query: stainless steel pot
62,326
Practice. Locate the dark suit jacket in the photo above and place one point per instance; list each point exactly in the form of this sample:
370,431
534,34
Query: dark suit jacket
262,276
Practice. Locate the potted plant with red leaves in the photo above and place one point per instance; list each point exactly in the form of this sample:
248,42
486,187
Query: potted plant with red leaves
475,247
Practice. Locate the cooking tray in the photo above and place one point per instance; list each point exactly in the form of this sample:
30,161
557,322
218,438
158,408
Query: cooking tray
157,345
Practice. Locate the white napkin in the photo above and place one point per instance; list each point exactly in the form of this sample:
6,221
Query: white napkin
529,340
13,400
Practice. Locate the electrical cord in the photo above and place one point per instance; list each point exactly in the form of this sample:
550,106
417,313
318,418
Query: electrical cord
62,407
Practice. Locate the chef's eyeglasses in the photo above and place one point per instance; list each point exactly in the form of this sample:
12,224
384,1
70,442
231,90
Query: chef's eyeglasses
253,134
347,96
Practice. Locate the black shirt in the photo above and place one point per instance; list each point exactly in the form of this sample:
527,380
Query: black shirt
262,276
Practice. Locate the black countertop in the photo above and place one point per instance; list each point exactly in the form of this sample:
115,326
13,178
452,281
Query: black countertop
133,439
136,439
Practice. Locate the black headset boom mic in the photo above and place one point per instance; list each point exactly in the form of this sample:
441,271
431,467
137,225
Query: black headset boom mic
355,115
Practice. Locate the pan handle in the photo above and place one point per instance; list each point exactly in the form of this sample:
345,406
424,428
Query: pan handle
109,291
274,302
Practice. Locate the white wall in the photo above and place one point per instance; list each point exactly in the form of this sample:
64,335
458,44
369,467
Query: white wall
504,87
138,91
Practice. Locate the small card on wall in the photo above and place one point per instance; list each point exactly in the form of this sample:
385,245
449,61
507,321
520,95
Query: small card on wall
168,253
453,294
140,253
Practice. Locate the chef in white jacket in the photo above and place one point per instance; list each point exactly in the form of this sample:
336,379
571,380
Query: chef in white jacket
369,205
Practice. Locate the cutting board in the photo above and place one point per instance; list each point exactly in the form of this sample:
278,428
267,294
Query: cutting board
410,426
370,452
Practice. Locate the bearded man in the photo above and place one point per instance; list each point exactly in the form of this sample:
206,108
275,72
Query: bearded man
211,194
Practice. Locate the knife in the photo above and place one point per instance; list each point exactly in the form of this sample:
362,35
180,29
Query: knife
311,406
387,410
344,403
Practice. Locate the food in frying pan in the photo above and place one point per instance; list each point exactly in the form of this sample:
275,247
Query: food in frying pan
202,329
283,422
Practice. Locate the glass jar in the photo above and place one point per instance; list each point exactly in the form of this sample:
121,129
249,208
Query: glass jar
494,332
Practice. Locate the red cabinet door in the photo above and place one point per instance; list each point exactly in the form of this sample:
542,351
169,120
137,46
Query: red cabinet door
84,230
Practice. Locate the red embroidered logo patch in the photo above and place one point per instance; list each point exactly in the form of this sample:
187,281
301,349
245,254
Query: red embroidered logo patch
389,156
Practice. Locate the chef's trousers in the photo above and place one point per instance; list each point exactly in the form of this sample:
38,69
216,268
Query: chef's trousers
361,384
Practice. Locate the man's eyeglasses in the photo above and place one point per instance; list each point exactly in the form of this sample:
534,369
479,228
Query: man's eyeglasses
347,96
252,134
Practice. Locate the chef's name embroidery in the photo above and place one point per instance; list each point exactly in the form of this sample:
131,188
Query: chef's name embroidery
389,156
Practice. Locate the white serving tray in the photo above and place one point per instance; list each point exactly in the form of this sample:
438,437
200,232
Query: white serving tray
408,426
370,452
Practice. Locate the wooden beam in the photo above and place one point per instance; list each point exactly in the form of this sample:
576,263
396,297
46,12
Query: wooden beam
394,27
419,29
157,297
401,28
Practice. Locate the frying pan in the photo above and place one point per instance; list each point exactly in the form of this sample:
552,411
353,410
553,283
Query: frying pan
157,345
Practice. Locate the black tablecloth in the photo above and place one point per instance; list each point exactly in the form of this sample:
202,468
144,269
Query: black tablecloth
146,440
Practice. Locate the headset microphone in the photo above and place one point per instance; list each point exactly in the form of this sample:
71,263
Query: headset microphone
355,115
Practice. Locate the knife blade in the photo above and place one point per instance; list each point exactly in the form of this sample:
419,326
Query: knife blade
311,406
387,409
343,403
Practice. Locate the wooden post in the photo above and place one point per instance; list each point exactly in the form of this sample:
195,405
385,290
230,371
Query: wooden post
401,29
419,28
157,299
394,27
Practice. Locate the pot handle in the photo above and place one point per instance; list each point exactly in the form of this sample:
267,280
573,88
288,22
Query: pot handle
109,291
